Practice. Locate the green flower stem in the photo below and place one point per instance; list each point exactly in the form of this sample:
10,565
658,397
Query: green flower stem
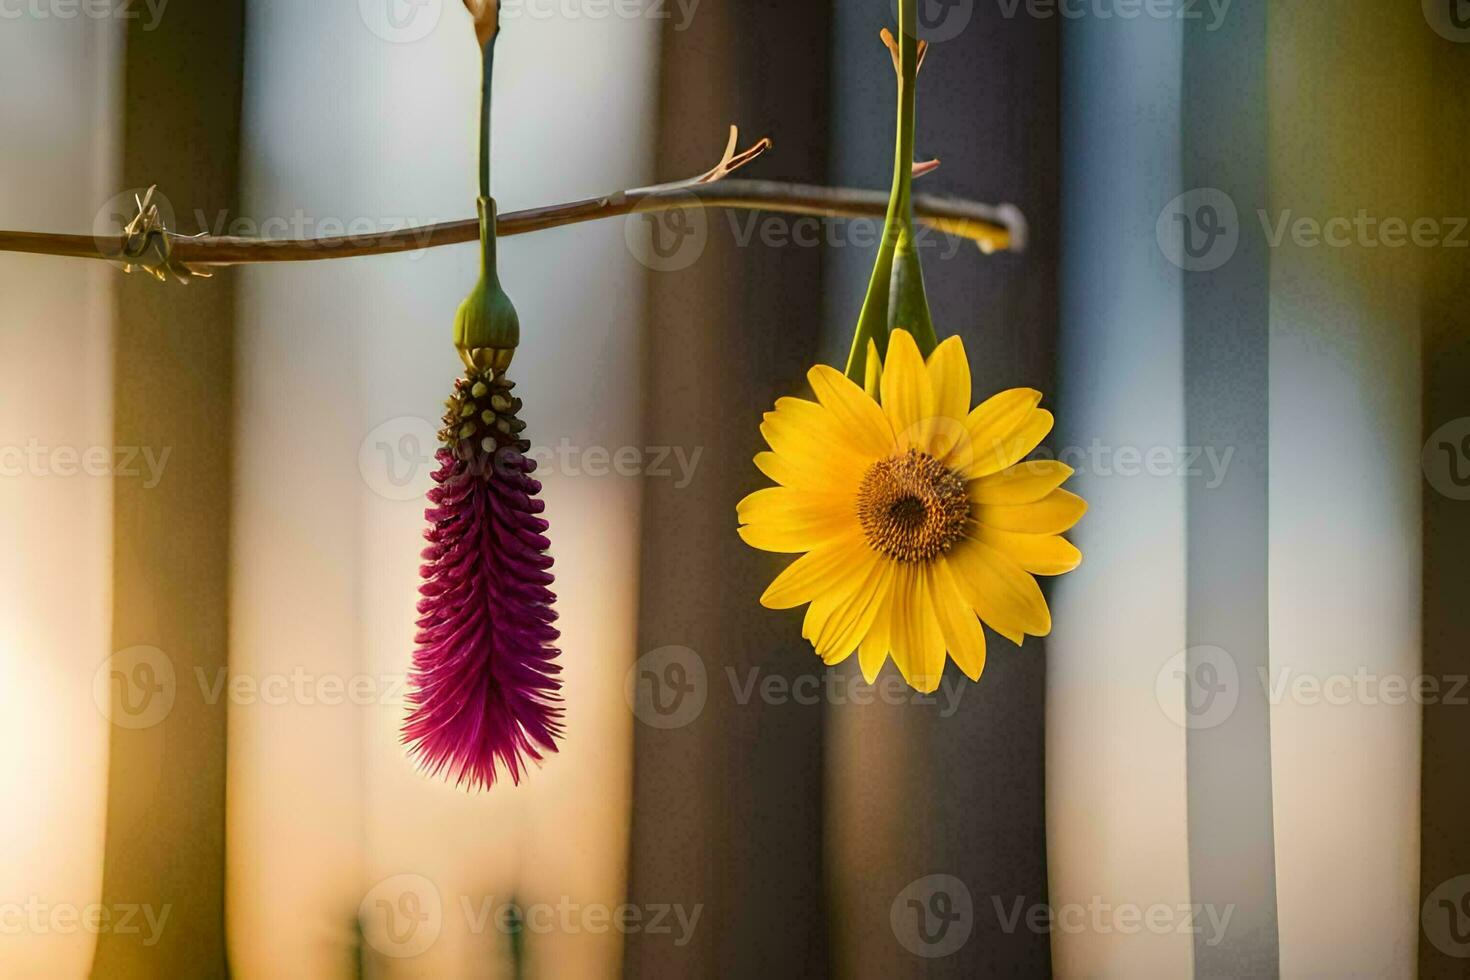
487,73
896,295
486,325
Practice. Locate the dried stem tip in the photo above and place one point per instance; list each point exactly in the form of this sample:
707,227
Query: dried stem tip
487,18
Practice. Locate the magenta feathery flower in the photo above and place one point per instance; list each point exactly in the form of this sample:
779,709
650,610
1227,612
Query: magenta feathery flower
484,686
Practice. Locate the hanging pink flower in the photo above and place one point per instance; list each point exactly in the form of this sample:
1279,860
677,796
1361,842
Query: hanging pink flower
484,686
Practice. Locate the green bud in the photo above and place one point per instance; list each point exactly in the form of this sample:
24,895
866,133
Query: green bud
487,320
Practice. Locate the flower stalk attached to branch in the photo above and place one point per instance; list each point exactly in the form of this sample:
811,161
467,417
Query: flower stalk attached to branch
896,295
485,693
916,517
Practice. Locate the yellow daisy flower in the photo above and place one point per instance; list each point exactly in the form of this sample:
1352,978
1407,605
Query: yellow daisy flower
914,516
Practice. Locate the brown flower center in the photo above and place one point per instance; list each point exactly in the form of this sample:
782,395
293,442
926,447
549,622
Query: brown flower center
912,507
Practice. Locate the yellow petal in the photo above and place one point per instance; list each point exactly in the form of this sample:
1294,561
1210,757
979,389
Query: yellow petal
1001,591
816,615
807,473
873,650
962,633
1039,554
787,520
1052,514
908,398
949,376
832,567
949,379
787,504
851,619
992,456
859,417
1023,483
802,434
918,645
818,420
991,422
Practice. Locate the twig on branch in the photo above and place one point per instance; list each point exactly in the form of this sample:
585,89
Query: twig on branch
993,228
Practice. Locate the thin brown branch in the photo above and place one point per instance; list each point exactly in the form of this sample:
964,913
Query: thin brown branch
993,228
